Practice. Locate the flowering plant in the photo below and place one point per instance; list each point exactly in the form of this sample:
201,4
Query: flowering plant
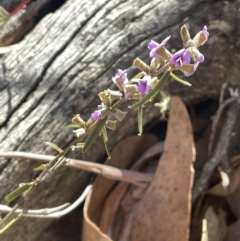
142,88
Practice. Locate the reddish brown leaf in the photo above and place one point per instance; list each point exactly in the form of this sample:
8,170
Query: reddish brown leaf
164,211
123,155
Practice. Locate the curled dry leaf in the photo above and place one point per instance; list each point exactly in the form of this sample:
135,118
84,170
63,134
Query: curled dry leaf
123,155
119,207
164,211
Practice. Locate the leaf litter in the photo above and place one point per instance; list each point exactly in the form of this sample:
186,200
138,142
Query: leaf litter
163,209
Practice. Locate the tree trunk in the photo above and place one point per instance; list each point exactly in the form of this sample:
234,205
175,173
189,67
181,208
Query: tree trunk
58,69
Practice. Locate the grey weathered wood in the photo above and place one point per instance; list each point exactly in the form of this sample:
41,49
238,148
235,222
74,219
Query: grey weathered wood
71,55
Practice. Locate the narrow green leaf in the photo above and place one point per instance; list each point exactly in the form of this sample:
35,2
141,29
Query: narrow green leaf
180,80
106,142
54,146
9,216
140,120
80,145
40,168
71,126
60,162
7,226
17,192
154,91
94,134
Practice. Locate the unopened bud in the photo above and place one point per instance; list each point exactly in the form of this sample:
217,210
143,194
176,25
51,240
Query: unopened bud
104,112
154,64
154,82
141,65
130,89
185,34
104,98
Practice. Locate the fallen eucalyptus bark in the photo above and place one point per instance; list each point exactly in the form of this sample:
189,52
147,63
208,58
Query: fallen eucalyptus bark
71,55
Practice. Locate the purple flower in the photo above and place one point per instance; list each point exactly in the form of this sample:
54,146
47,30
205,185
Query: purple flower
120,75
154,47
201,37
144,85
96,115
180,57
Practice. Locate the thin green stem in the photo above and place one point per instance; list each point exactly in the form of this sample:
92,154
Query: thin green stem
117,104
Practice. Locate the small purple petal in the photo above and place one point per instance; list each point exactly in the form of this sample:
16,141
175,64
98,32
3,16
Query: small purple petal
180,57
126,95
205,33
143,88
96,115
154,47
200,59
121,74
144,85
153,52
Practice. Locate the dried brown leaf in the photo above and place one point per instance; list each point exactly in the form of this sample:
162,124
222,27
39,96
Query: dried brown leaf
164,211
118,210
123,155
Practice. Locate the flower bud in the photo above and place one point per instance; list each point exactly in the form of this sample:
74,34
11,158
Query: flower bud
130,89
153,82
104,98
141,65
155,63
99,114
185,35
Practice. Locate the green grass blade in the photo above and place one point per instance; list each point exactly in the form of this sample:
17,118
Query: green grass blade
140,120
94,134
106,142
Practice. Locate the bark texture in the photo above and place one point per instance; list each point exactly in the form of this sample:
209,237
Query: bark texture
59,67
